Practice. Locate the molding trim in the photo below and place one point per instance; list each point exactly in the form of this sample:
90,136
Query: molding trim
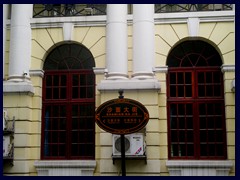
199,167
129,84
98,71
159,18
161,69
65,167
228,68
18,87
36,72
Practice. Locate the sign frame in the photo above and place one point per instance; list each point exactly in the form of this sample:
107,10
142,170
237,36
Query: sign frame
122,116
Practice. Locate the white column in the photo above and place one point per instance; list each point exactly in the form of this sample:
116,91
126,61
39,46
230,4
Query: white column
143,41
116,36
20,42
5,13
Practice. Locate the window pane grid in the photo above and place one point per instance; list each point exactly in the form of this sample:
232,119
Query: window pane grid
195,79
182,135
68,139
181,84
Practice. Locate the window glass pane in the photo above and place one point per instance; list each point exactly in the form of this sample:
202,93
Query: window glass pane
75,92
208,77
182,136
203,150
190,136
173,109
211,150
173,123
75,80
55,81
180,78
188,91
62,137
172,78
54,150
75,136
181,109
189,110
202,109
62,150
49,80
181,122
203,136
82,92
190,150
188,78
203,123
201,78
180,91
211,136
63,80
209,90
74,111
201,90
174,150
75,149
220,150
55,93
210,109
182,150
219,136
173,91
83,80
63,93
217,77
217,90
189,123
211,124
48,93
90,79
90,93
174,136
218,122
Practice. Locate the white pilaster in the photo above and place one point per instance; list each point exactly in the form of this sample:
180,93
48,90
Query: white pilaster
143,41
116,47
20,42
5,12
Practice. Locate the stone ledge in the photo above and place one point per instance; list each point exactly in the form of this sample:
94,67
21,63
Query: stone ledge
199,167
24,87
65,167
129,84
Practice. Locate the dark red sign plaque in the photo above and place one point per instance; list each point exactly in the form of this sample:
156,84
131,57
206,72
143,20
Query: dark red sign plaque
122,116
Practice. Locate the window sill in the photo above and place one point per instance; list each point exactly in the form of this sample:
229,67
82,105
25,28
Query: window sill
65,167
199,167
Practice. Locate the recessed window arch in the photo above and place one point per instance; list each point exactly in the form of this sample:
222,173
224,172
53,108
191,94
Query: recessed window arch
195,102
68,126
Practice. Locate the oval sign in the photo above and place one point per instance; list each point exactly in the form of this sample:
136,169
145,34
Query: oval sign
121,116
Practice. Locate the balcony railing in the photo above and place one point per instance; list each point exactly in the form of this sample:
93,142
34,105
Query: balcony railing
64,10
165,8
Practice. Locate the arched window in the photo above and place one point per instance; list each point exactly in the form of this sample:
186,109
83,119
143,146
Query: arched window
195,102
68,126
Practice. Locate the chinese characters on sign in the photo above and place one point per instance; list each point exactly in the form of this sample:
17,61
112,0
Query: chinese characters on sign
122,116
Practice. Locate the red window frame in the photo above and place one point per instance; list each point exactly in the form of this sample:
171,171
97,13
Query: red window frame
195,132
68,125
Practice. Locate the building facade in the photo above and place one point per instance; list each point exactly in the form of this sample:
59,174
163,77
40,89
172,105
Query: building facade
62,61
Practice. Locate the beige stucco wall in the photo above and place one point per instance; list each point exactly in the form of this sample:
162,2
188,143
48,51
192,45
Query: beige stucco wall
27,108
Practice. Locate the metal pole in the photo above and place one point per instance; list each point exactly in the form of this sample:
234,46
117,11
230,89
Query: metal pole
123,155
122,143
